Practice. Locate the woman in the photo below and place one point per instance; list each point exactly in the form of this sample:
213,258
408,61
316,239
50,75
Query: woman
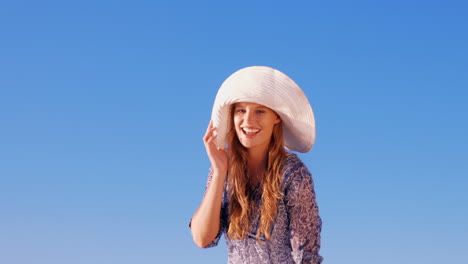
261,196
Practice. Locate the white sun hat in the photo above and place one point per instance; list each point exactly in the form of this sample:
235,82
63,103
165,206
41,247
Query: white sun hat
275,90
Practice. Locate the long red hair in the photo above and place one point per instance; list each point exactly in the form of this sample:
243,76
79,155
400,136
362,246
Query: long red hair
240,201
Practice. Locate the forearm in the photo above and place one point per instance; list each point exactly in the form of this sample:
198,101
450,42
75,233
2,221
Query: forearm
206,220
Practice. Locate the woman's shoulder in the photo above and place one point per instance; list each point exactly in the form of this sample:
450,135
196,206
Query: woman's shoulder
294,169
292,162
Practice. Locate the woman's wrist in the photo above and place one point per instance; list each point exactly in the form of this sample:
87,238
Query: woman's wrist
219,172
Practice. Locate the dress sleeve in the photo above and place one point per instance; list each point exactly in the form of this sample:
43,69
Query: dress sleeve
304,221
223,215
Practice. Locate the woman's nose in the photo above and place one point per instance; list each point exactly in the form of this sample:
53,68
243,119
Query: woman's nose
249,118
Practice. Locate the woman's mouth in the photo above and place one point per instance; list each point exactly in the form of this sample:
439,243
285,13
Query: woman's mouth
250,131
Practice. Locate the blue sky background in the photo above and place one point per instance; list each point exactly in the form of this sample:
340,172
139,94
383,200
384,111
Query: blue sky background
103,105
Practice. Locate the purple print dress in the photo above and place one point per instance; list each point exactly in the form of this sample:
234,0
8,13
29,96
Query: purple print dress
295,236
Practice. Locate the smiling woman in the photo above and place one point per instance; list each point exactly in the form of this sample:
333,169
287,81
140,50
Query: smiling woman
258,194
254,125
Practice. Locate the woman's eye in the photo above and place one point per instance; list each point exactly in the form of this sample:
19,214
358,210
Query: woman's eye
260,111
240,111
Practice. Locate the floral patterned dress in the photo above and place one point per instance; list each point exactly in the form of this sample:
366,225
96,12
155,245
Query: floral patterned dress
295,236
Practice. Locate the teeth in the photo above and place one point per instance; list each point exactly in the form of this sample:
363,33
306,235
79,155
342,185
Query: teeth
248,130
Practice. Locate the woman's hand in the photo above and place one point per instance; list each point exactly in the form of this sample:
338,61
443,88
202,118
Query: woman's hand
218,157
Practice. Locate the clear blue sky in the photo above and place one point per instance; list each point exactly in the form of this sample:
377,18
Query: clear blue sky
103,105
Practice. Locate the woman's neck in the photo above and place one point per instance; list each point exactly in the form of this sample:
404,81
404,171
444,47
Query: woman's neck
256,164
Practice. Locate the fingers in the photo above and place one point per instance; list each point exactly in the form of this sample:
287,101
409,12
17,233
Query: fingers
210,134
216,155
210,125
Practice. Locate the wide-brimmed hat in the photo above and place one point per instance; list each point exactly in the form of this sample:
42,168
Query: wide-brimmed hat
275,90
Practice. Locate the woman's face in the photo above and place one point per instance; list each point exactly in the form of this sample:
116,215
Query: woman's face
254,124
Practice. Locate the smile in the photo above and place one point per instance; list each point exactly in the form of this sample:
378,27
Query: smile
250,131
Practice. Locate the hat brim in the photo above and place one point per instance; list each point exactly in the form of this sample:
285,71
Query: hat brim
275,90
